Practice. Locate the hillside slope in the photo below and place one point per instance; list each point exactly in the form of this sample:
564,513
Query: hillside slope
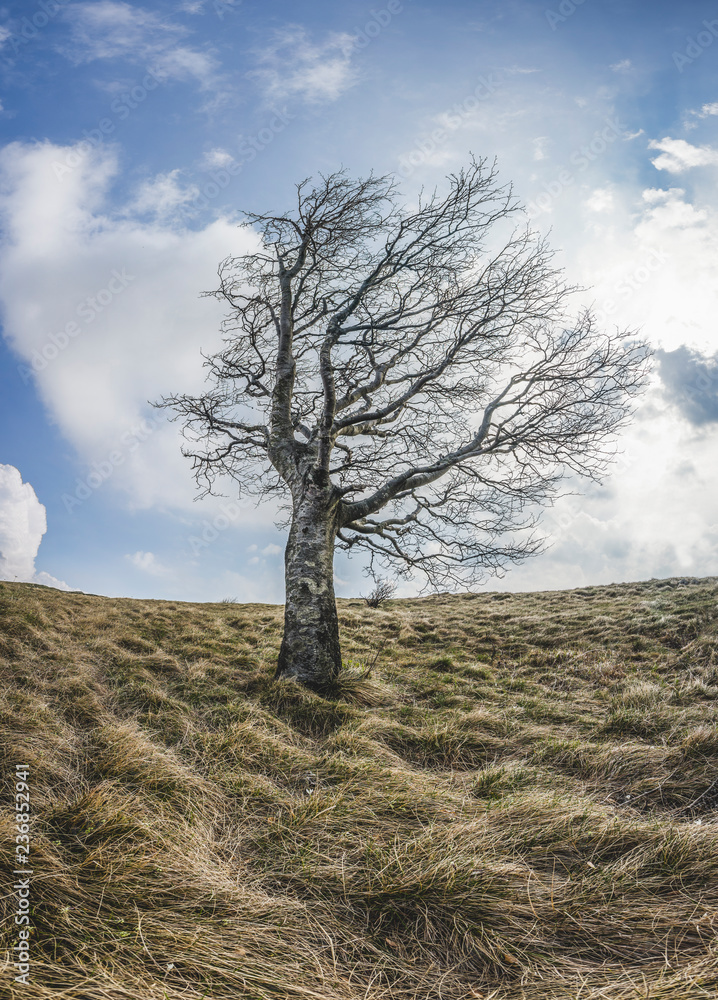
520,800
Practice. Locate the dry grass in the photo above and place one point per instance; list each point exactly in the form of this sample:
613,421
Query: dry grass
507,796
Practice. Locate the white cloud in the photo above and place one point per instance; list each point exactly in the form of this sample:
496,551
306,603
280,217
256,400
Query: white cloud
105,29
706,111
61,249
182,63
678,155
692,117
271,550
215,159
112,29
295,66
22,525
147,562
624,66
670,210
600,200
4,35
655,518
162,196
648,265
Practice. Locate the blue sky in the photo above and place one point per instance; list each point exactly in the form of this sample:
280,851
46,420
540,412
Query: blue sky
132,137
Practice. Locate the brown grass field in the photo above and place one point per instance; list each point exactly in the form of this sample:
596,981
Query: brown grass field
507,796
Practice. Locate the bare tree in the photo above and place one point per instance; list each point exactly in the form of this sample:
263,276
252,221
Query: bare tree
410,381
382,592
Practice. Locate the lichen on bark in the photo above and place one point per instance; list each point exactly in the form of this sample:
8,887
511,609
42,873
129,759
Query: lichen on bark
310,650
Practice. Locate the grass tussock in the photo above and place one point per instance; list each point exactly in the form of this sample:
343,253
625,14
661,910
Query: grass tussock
505,796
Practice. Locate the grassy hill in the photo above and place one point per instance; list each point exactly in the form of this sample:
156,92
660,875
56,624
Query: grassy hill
520,800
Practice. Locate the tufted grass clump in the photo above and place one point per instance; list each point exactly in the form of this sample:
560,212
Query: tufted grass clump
505,796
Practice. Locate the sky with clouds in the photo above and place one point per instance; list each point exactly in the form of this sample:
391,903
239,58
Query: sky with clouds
134,135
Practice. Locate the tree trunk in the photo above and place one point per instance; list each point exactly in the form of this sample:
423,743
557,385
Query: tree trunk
310,649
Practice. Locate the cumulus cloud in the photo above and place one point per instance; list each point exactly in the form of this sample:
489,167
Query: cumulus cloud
22,525
650,262
677,155
670,210
654,518
690,382
162,196
679,306
294,65
104,311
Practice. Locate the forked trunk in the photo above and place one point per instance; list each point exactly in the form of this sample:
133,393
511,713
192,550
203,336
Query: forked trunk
310,649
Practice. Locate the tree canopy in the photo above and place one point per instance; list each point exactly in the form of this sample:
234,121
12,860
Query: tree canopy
418,369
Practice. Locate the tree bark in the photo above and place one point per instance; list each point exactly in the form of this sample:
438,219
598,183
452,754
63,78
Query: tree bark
310,649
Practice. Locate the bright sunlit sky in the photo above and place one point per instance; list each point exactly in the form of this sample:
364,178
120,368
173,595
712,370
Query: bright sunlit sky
133,135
